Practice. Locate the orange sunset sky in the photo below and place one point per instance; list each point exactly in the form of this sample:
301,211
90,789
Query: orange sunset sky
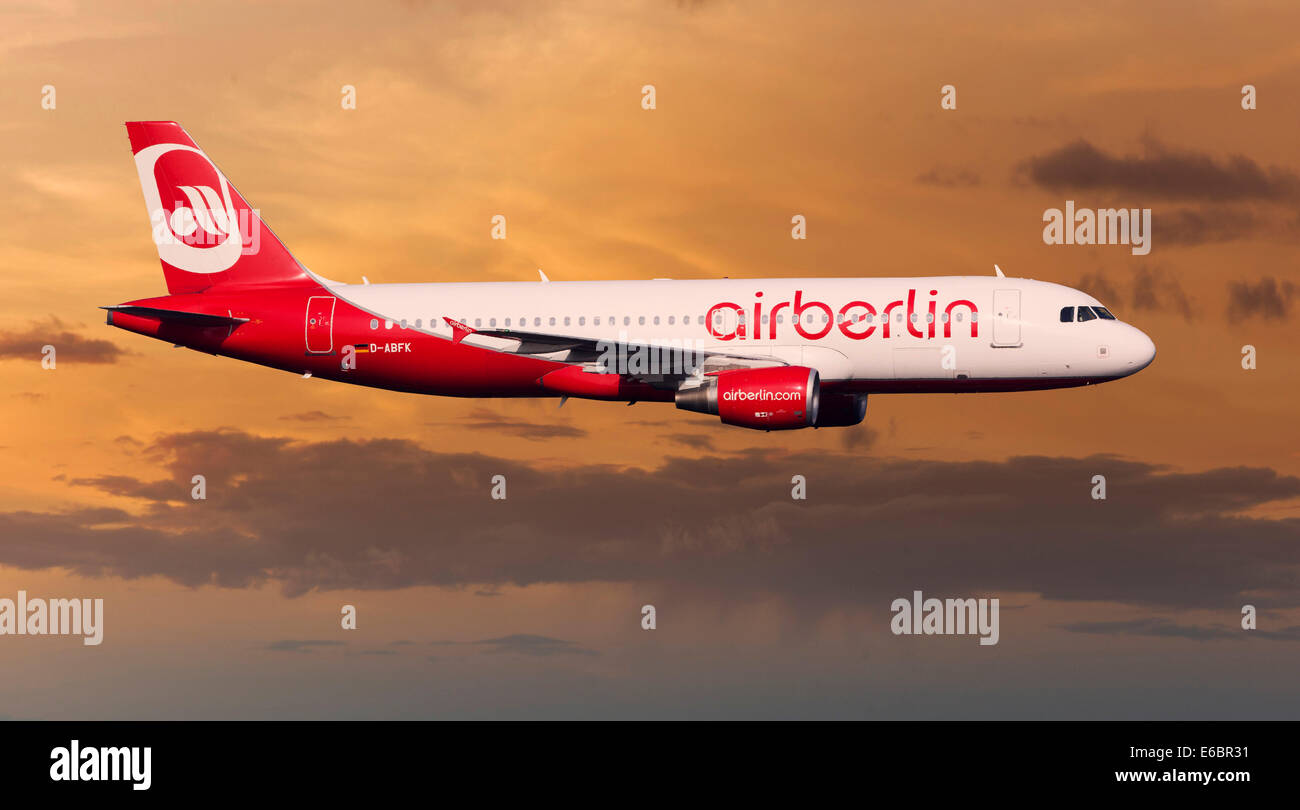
322,494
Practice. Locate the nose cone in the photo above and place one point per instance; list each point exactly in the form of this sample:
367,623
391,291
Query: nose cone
1139,350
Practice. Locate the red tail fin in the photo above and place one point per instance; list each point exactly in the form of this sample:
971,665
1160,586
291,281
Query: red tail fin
206,233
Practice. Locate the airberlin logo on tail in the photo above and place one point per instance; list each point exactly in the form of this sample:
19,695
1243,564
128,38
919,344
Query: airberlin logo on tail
196,224
205,211
856,320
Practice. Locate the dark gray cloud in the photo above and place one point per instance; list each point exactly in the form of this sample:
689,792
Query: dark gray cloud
1266,298
68,345
1160,172
1159,627
1218,223
858,438
300,645
523,644
1156,289
536,646
484,419
1151,289
697,441
1167,628
388,513
1099,287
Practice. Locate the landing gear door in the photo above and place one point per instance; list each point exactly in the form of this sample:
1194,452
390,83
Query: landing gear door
320,324
1006,318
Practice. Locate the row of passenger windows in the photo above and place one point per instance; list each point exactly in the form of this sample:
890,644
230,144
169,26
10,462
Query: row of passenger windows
554,320
1085,314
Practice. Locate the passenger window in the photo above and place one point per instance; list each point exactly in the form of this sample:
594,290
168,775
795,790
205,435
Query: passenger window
582,321
566,320
641,321
552,320
1067,314
374,323
1085,314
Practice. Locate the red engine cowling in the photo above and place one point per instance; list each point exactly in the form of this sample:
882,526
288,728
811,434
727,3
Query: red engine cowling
777,398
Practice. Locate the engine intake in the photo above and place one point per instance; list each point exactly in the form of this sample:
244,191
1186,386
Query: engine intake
776,398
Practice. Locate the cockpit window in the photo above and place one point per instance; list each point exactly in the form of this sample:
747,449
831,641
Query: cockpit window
1085,314
1102,312
1067,314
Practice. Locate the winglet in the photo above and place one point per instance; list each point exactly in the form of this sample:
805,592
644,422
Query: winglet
459,331
543,275
999,271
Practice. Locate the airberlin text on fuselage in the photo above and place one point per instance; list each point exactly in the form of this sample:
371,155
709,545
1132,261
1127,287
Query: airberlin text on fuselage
851,319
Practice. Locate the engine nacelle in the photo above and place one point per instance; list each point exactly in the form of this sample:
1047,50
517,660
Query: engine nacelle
775,398
841,410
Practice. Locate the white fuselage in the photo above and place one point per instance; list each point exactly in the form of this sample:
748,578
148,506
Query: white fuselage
1017,334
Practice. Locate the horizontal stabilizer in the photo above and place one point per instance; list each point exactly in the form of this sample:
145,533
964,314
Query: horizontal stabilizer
175,316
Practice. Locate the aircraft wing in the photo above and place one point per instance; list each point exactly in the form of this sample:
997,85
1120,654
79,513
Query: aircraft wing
659,364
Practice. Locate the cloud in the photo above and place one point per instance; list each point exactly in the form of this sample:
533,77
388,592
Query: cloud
695,441
312,416
301,645
857,438
1096,285
1160,172
1167,628
388,513
1196,226
1159,627
1265,297
949,177
1153,289
523,644
68,345
536,646
484,419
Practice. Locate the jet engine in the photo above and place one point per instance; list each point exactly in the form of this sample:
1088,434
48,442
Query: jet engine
841,410
774,398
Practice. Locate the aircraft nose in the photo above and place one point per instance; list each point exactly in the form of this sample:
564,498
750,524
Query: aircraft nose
1140,350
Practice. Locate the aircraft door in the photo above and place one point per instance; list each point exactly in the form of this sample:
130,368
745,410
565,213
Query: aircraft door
320,324
1006,318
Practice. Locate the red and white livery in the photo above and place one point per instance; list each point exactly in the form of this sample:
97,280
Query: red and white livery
769,354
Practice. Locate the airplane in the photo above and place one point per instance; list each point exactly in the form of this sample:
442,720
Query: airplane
766,354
